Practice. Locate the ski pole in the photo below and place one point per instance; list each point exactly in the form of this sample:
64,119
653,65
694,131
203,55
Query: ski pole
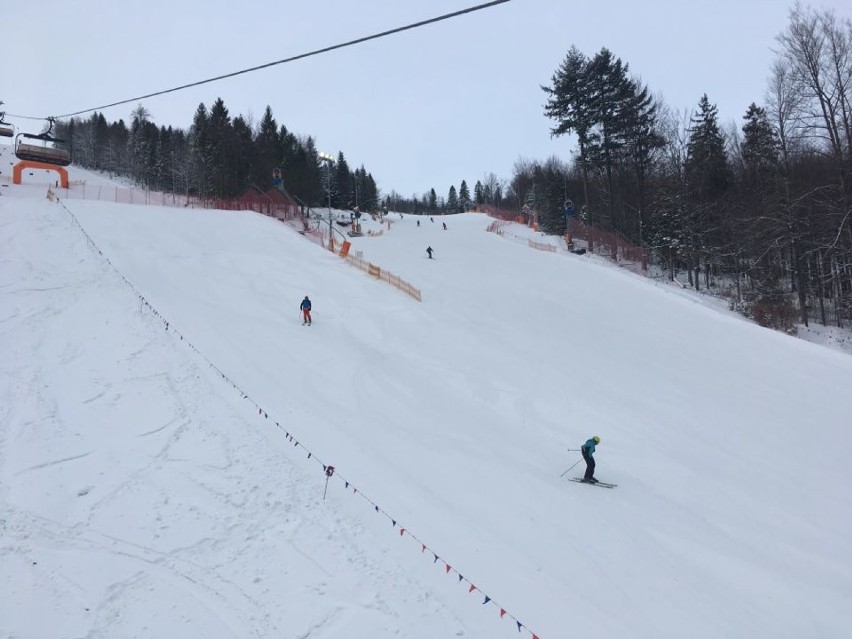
563,474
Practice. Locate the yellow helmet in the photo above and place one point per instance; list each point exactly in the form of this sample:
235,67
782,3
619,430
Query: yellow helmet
597,439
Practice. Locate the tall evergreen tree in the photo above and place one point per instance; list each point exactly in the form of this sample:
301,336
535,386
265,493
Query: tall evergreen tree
706,161
569,105
344,182
221,150
200,151
268,153
464,197
760,146
452,201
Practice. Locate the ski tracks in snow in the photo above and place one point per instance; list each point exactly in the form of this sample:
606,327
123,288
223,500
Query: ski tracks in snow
176,512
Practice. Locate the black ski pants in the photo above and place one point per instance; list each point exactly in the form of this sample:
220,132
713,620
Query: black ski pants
590,466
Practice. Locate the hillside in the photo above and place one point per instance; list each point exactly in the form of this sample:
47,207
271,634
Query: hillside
143,495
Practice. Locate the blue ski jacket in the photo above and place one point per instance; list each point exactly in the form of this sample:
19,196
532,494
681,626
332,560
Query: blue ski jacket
589,447
305,305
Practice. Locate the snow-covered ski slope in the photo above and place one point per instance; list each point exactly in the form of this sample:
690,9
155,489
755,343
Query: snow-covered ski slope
142,496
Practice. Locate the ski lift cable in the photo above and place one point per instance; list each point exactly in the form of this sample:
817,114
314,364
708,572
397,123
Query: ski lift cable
375,36
24,117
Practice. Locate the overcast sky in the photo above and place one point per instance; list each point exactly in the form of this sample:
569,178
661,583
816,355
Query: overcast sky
425,108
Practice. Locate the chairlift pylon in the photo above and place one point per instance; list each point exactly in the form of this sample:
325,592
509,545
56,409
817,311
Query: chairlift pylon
48,155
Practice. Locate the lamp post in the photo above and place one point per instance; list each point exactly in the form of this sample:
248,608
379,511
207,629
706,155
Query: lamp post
328,159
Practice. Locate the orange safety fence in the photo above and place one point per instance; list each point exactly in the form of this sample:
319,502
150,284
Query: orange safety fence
383,274
605,243
540,246
611,245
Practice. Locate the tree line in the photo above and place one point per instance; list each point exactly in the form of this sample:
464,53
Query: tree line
218,157
761,212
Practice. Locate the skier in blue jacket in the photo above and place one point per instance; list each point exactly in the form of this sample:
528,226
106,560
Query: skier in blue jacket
588,450
305,307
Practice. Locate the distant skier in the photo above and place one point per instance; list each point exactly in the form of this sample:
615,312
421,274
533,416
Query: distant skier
570,222
588,450
418,222
429,251
445,225
306,311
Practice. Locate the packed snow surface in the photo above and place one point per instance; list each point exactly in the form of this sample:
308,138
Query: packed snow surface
160,399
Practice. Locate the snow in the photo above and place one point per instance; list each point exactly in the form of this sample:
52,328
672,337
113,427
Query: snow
143,495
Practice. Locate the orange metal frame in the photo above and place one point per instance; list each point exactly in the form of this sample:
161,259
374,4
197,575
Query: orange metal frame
18,170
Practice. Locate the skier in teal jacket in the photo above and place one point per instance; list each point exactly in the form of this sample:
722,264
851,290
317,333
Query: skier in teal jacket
588,450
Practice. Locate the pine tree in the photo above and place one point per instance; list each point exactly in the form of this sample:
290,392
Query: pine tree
464,197
433,201
760,145
138,143
452,201
199,149
268,153
706,161
344,197
709,224
221,149
313,188
478,193
569,105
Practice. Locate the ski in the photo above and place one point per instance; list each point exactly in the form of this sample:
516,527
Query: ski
602,484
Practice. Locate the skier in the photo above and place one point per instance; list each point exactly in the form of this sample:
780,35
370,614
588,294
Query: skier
570,223
306,311
588,450
429,251
445,225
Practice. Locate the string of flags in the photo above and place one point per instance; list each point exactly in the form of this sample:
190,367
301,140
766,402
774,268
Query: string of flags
329,471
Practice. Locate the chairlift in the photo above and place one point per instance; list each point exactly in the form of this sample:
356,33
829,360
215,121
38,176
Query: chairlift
6,129
34,153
